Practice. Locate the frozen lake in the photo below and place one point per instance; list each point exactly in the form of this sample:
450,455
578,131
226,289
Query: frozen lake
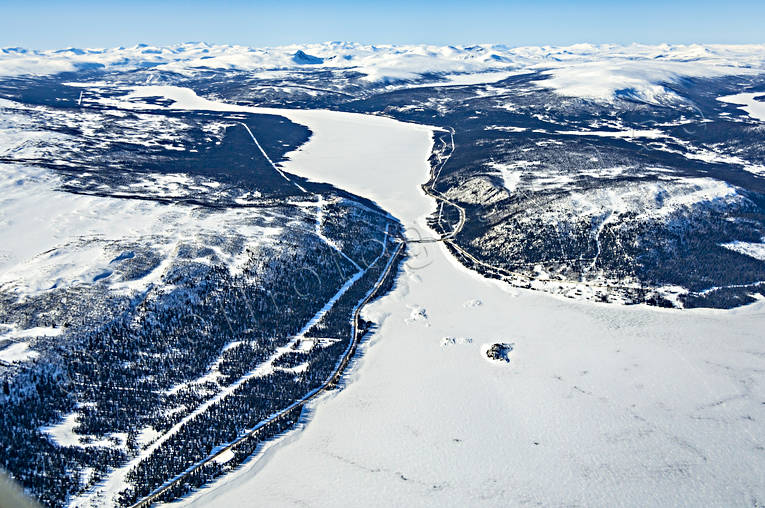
600,405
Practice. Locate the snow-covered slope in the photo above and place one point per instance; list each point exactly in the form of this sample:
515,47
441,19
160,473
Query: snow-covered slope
75,239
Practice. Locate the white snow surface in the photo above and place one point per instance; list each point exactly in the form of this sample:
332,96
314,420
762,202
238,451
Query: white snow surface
636,77
64,435
476,78
747,102
649,199
62,239
511,173
17,352
633,133
600,405
751,249
581,70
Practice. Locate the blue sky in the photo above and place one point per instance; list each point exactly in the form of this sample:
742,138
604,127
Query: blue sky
55,24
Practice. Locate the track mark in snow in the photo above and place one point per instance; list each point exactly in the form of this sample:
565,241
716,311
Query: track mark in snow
597,232
453,341
269,159
319,220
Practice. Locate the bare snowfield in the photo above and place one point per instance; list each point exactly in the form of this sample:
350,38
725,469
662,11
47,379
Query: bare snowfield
599,405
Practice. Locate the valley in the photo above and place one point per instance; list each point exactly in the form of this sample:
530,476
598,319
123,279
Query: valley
399,275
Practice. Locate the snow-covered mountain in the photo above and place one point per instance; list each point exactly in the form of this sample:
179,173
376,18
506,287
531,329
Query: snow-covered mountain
582,70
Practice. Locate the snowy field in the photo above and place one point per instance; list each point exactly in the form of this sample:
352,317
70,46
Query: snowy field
73,239
599,405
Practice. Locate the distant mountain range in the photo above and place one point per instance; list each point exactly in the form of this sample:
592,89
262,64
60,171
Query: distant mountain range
579,70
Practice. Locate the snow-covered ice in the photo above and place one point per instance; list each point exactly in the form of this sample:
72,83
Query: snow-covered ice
749,103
